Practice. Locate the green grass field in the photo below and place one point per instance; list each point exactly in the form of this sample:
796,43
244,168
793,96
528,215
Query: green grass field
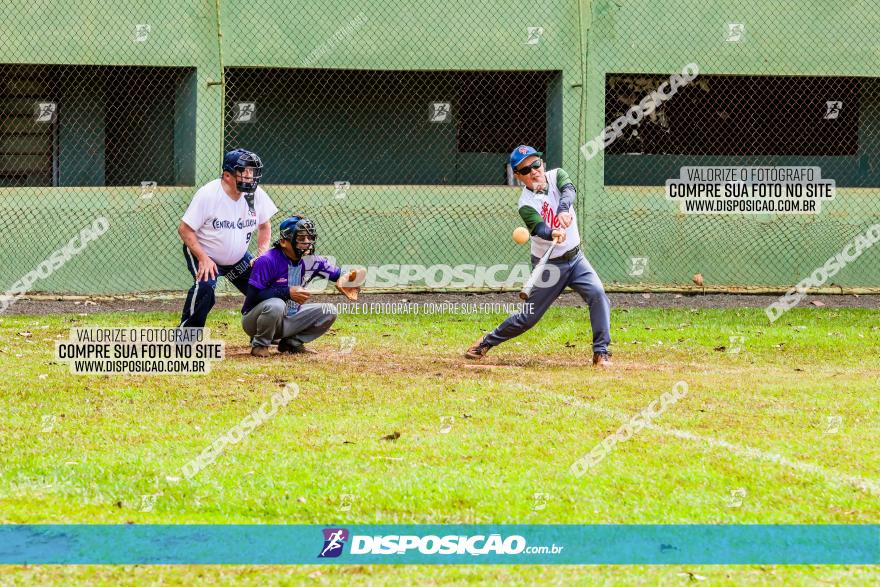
783,431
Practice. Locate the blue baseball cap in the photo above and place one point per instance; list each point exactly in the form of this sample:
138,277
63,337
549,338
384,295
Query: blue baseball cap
520,153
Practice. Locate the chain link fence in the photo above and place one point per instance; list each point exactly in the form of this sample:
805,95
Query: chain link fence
390,125
780,84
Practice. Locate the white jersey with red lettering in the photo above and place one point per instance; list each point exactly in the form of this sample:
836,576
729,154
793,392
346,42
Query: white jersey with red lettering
547,203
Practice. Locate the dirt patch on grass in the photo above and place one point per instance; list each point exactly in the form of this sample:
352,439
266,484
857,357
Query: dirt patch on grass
451,365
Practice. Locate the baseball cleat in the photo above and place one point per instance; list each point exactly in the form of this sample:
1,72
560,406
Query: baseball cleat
601,359
294,348
478,350
260,351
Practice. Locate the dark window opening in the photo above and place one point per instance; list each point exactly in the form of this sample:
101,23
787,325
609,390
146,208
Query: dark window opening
739,115
75,125
745,120
500,110
387,127
27,135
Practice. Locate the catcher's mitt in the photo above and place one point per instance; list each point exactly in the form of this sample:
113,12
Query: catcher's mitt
349,284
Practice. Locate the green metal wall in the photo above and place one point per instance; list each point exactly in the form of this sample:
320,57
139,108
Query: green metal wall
440,224
783,37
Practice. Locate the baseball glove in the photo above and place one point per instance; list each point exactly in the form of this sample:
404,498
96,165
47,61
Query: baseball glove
349,284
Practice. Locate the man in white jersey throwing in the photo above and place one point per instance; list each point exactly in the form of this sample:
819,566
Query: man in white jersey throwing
217,228
547,208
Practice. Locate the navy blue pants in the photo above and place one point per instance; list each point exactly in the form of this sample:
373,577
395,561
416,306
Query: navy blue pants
200,298
580,276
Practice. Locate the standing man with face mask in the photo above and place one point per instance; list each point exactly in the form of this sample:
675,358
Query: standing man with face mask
546,206
217,229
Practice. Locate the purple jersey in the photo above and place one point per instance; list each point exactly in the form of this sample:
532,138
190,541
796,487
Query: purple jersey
275,269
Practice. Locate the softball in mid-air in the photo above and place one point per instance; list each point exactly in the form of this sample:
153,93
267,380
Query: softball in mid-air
520,235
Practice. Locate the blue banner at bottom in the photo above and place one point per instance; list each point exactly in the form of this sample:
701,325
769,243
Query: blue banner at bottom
440,544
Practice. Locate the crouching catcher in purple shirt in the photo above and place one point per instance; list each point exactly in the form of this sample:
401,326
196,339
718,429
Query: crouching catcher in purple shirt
275,309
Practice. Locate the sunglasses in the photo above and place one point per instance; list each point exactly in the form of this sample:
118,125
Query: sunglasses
536,164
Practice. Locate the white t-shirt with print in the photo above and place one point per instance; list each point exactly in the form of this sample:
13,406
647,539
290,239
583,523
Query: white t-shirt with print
224,226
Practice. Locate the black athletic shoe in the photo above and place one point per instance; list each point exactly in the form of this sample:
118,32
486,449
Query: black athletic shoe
294,348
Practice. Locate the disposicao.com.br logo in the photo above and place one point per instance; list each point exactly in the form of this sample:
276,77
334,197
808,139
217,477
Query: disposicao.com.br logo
477,545
334,541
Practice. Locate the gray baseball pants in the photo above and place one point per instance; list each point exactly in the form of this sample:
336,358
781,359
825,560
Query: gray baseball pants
581,277
268,323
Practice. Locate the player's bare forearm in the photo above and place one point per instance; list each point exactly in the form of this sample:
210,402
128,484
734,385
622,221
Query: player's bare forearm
188,236
264,235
